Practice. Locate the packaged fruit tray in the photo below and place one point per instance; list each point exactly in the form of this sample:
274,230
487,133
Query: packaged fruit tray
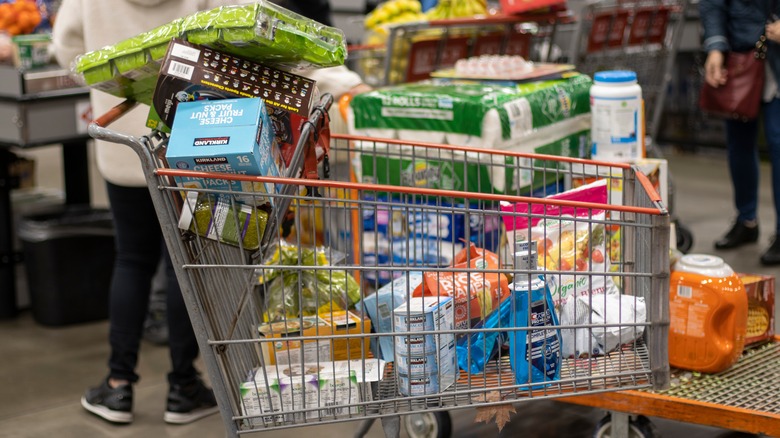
261,31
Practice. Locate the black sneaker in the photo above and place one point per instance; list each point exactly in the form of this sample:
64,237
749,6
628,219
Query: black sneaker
740,234
111,404
189,403
772,255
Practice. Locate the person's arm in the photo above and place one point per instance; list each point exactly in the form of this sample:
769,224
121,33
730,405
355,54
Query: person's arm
714,16
68,33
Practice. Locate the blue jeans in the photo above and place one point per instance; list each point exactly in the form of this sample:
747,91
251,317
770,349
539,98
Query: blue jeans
139,246
742,139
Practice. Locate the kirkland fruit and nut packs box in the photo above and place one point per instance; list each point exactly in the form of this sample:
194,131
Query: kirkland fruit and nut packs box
229,136
190,72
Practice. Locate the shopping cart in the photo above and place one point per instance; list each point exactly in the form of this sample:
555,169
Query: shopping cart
410,52
643,36
265,303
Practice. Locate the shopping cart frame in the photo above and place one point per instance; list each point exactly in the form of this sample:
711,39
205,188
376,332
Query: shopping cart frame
537,31
707,399
150,155
154,171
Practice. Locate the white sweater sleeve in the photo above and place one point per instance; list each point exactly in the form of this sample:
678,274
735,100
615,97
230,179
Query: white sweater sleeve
68,33
334,80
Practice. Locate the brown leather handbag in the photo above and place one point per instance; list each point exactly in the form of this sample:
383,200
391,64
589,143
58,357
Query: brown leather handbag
740,97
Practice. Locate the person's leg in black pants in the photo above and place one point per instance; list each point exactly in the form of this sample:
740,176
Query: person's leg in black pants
138,240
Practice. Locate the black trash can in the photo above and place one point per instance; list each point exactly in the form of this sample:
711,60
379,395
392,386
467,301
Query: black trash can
69,259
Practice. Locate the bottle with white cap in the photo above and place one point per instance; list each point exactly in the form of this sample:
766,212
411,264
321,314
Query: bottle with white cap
708,314
617,119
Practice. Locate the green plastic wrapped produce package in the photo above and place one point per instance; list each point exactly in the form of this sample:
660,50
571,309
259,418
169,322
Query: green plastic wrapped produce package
292,291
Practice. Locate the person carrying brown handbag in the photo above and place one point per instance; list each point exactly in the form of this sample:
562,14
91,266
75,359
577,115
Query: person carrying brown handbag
736,26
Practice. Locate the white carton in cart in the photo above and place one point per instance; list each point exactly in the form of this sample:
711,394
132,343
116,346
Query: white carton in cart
425,314
425,363
272,394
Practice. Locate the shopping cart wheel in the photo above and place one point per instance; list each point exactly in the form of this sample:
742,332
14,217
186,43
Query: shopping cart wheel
639,427
684,237
428,425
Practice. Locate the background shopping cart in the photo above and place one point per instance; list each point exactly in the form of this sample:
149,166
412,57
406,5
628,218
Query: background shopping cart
643,36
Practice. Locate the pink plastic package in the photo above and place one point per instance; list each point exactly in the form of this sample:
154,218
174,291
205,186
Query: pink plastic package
570,237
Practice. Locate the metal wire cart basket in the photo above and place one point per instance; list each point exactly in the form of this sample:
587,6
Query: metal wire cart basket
406,282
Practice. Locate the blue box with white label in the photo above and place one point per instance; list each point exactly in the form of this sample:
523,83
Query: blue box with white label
227,136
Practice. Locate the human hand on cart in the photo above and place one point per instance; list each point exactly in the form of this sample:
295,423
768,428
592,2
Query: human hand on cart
772,31
714,73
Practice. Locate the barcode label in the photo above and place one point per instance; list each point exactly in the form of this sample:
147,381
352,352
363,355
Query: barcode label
384,311
180,70
520,117
684,291
184,52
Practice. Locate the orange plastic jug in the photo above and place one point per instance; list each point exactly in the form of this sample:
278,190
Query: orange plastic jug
708,309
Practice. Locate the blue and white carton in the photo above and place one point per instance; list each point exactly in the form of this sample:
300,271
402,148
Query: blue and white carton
425,363
380,305
226,136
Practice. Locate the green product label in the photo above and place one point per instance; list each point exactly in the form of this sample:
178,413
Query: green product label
426,173
515,176
461,107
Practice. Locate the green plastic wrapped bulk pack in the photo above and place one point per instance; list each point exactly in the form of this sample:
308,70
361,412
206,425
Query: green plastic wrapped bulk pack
545,117
261,31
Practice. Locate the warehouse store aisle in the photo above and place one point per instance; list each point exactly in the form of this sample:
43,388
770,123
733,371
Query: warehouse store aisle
45,371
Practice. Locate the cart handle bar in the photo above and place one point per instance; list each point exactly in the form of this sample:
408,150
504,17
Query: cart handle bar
115,113
408,191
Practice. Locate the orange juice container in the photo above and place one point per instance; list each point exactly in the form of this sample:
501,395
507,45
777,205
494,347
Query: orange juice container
708,309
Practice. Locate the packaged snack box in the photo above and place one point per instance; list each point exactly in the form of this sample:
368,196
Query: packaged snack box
191,72
230,136
475,294
344,322
761,307
281,351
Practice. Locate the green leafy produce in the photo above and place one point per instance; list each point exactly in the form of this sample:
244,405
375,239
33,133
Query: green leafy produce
296,291
262,31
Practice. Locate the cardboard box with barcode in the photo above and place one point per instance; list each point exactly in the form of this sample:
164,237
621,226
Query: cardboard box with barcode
761,307
228,136
192,72
271,394
344,322
315,348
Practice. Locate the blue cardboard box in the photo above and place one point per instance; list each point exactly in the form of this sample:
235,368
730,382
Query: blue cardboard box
380,305
229,136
